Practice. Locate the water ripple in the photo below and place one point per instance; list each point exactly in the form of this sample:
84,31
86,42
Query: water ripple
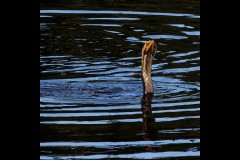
117,144
102,25
133,120
114,19
192,33
145,155
167,37
117,12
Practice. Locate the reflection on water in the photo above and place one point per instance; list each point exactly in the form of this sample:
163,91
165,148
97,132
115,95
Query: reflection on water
91,104
150,133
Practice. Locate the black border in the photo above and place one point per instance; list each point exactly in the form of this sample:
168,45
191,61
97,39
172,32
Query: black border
218,77
21,66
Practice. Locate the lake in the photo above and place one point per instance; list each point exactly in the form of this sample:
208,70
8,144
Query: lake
90,80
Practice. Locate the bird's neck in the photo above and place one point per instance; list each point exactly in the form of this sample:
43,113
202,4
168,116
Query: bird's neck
146,73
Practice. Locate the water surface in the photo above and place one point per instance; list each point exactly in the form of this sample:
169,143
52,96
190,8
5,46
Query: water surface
91,89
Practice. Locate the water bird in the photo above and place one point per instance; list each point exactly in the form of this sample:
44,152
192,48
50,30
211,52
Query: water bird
148,52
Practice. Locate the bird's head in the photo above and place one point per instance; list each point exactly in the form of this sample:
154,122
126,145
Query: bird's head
150,47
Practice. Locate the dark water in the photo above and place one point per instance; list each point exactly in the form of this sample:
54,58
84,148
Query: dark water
91,89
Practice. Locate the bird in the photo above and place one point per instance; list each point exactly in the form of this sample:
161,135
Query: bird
148,52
